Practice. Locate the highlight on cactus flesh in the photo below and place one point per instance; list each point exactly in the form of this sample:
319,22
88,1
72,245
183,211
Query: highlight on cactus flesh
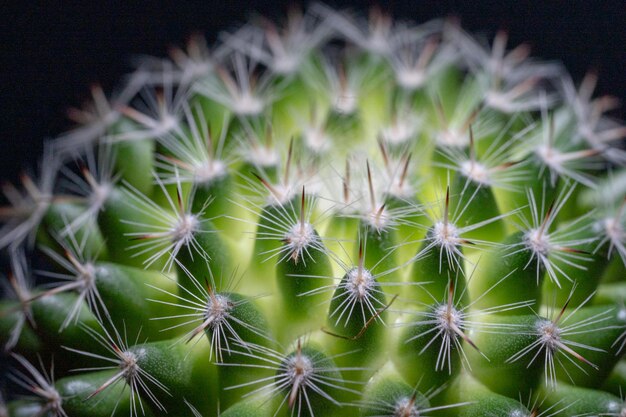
337,215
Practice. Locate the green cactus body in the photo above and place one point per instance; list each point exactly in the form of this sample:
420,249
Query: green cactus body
338,217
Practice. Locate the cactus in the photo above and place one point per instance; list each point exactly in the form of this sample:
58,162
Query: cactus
336,217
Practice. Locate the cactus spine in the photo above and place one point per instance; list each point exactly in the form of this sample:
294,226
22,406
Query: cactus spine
336,217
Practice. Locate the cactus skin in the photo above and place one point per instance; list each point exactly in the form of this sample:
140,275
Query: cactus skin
339,217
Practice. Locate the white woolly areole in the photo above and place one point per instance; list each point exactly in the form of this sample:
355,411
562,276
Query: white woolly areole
551,156
378,219
475,171
537,241
410,79
399,132
299,237
165,125
209,171
217,310
262,156
499,101
452,138
87,275
448,319
100,194
445,235
280,195
345,101
185,228
285,64
405,407
401,189
128,365
299,369
549,334
378,42
613,229
316,139
360,283
247,105
55,401
196,69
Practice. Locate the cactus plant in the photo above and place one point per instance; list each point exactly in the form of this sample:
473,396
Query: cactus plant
336,217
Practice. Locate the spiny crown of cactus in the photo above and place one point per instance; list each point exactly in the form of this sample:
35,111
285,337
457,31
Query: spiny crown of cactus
336,217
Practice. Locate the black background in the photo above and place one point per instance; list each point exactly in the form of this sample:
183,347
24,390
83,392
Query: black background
52,52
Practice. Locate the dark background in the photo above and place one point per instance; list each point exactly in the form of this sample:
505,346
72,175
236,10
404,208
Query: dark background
52,52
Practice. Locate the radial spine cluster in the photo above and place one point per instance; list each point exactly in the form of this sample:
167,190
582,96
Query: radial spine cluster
337,215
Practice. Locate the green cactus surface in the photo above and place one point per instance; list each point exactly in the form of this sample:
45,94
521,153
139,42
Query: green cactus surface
335,216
